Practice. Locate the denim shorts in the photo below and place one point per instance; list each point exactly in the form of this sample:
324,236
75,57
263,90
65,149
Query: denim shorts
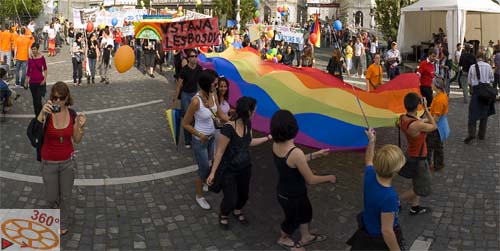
204,153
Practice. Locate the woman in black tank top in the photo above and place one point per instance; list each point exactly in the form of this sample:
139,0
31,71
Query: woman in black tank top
293,172
233,160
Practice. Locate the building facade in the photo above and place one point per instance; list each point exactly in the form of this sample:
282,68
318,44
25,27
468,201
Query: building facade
357,14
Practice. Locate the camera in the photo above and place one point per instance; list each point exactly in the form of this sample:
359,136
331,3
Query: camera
56,108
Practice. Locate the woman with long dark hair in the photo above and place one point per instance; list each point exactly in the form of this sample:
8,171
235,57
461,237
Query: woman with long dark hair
200,111
77,59
336,64
233,154
92,55
36,76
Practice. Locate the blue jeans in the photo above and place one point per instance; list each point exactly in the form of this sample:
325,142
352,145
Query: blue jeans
92,64
185,101
45,41
170,58
21,65
204,153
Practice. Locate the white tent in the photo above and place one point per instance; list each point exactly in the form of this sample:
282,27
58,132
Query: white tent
472,19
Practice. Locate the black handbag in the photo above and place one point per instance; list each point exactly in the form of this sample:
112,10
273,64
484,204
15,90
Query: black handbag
485,92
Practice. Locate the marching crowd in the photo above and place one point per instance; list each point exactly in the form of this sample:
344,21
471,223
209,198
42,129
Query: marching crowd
220,136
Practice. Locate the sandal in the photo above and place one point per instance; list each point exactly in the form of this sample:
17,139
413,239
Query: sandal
295,245
64,232
316,238
223,226
241,218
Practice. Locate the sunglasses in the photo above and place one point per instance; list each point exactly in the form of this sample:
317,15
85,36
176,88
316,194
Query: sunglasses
56,98
193,56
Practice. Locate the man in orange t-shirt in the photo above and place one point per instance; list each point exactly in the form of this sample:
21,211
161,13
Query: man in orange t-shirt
374,74
5,46
439,111
22,46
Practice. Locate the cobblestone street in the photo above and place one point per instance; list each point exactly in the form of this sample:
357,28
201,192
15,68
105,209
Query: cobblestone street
135,189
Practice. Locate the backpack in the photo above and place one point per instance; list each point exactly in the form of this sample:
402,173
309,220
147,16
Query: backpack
36,131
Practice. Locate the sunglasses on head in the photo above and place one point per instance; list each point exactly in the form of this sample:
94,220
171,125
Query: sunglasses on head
55,98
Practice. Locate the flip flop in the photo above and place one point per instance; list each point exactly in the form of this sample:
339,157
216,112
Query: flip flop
289,247
316,238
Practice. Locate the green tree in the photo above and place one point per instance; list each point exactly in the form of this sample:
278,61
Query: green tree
32,9
387,14
228,7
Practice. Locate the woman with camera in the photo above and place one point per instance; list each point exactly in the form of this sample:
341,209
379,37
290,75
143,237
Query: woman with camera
234,156
63,127
77,59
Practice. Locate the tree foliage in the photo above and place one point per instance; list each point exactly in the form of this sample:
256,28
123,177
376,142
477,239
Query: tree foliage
228,8
387,14
33,8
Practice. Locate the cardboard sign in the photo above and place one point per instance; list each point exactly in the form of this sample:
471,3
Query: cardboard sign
190,34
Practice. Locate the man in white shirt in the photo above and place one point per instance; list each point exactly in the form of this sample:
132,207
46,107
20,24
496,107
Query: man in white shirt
359,49
45,32
393,59
479,110
57,28
31,26
456,60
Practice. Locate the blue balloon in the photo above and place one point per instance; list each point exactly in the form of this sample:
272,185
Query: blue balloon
283,13
257,3
337,25
114,21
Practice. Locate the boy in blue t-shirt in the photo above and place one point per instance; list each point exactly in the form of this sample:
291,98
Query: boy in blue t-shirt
381,203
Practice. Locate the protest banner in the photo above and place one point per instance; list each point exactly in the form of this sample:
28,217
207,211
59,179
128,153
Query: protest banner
98,17
190,34
290,35
254,32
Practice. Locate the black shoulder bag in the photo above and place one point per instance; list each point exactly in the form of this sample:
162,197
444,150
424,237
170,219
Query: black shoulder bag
485,92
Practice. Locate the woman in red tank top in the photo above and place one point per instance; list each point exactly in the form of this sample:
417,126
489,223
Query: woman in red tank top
62,127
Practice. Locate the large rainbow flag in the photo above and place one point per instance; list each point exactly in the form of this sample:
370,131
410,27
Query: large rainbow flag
326,108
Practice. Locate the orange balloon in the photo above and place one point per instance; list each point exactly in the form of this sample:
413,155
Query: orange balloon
279,57
124,58
270,34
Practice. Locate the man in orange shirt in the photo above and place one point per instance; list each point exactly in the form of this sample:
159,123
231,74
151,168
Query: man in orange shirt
5,46
439,111
22,46
374,74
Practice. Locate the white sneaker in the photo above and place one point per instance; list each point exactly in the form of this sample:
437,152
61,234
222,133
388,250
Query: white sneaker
355,75
203,203
187,146
205,187
362,76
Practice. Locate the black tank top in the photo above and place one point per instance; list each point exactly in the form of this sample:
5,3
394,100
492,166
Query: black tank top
291,183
